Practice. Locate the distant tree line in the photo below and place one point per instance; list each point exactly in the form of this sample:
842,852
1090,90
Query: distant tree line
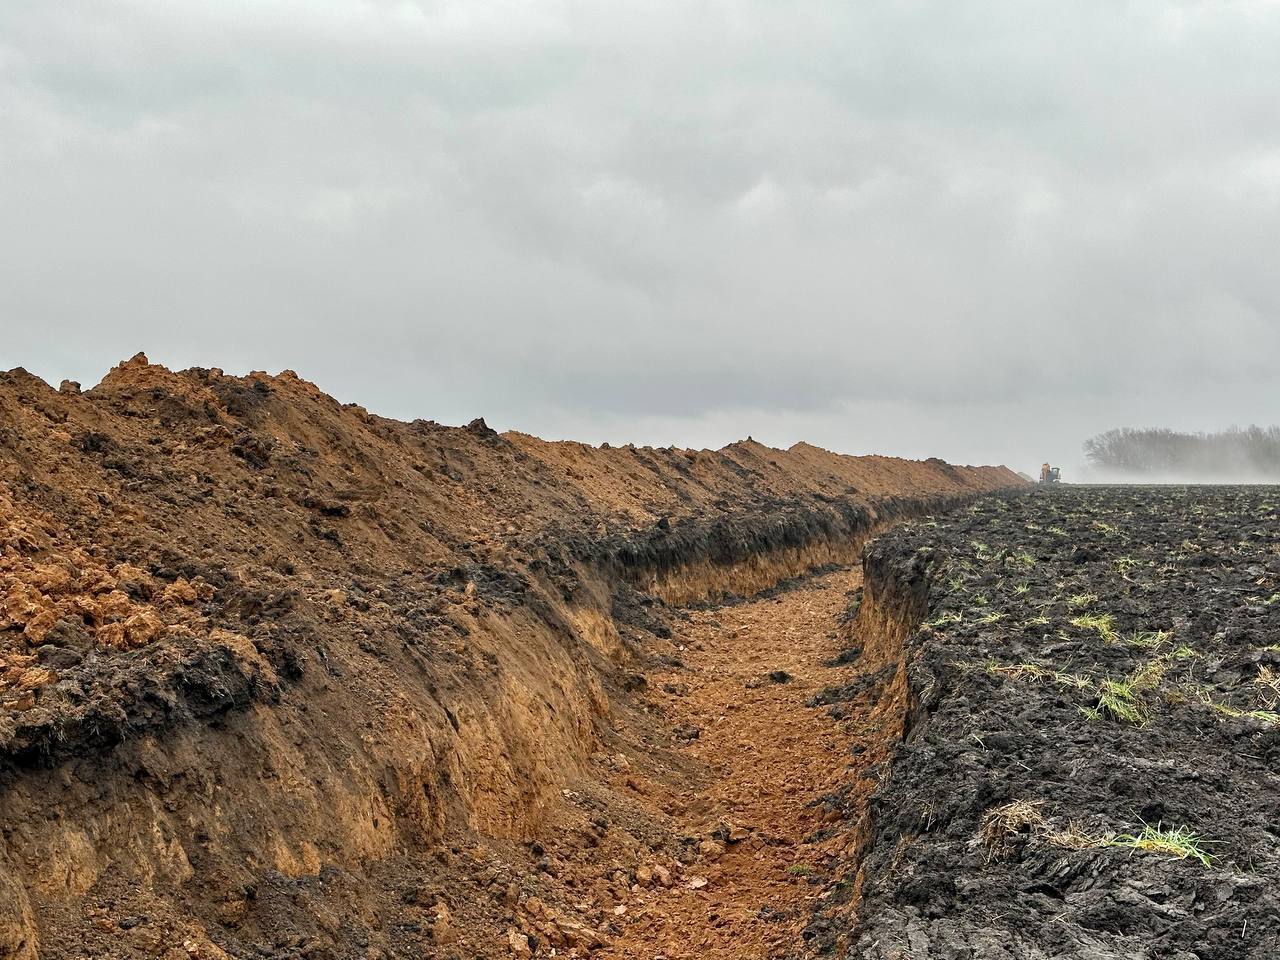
1249,453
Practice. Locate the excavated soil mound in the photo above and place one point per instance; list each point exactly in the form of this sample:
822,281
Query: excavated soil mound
1092,718
280,678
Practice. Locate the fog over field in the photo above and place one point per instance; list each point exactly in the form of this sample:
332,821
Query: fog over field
1251,455
983,232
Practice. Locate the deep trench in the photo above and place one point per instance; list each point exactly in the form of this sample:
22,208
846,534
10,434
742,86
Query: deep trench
684,564
894,601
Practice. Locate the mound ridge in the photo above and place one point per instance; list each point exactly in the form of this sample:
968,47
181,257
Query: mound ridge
250,635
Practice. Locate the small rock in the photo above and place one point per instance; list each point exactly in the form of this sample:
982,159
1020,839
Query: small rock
518,943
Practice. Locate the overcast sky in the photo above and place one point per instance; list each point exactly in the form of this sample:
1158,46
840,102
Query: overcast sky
983,231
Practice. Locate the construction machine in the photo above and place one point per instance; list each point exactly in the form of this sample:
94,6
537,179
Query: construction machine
1050,474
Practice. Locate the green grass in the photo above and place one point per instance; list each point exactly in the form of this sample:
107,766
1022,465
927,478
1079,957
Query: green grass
1118,699
1008,820
1147,639
1104,624
1180,842
1149,675
1235,713
1031,671
944,618
1078,600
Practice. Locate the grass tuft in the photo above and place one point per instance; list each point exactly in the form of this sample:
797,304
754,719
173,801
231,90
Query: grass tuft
1030,671
1147,639
1003,823
1180,842
1235,713
1118,700
1268,683
1104,624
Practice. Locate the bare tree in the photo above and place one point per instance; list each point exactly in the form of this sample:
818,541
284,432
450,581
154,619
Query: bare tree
1249,453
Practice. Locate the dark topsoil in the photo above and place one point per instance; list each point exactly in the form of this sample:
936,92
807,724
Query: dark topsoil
1175,596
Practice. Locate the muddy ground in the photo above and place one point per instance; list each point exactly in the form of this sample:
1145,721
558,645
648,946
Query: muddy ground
1091,765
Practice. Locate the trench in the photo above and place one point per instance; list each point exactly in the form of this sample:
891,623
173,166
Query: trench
729,801
787,708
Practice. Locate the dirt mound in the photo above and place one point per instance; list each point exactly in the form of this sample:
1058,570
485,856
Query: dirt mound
1090,705
271,666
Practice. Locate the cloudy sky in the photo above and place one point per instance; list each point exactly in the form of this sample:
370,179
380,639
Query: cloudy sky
983,231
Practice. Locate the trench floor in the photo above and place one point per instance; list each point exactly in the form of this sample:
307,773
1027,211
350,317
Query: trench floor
769,760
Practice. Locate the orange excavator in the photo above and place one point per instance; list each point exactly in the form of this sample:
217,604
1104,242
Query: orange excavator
1050,474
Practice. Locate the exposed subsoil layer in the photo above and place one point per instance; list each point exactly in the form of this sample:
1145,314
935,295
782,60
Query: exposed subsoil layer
281,678
760,816
1091,766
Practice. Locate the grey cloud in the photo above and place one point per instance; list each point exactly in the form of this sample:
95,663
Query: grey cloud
687,218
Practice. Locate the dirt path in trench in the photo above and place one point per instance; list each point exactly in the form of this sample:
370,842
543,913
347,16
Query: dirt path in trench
749,671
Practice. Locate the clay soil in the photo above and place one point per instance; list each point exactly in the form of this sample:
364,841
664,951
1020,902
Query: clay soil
759,815
281,678
1090,766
